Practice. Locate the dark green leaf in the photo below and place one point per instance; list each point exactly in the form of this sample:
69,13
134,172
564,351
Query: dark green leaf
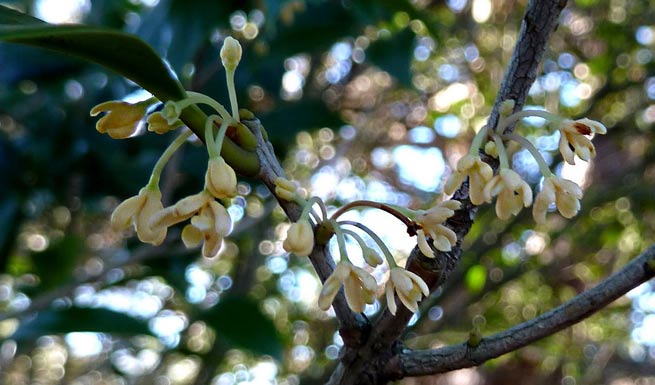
394,55
55,264
239,322
78,319
126,54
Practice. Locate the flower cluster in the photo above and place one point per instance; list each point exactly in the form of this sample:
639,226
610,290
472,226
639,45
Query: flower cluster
512,193
209,220
360,287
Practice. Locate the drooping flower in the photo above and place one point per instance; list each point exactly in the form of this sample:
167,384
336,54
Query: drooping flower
184,209
438,213
137,211
157,123
371,256
122,118
360,287
300,238
409,288
210,226
513,193
564,193
220,179
479,174
431,223
574,138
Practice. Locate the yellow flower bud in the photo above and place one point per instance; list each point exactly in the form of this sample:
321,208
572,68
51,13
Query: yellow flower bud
157,123
220,179
231,53
300,238
122,118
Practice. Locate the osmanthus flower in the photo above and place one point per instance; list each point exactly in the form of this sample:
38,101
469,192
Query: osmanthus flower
300,238
478,172
210,226
220,179
122,118
409,287
431,223
360,287
512,192
564,193
157,123
138,211
574,138
184,209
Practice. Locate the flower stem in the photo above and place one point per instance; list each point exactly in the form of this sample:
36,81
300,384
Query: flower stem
229,74
218,144
307,208
165,157
209,136
515,117
477,140
340,240
543,167
198,98
376,205
385,250
502,154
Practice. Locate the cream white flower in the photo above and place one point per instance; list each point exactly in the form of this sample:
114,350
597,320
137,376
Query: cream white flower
210,226
220,179
513,193
184,209
438,213
574,138
564,193
122,118
300,238
360,287
431,223
479,174
231,53
409,288
138,211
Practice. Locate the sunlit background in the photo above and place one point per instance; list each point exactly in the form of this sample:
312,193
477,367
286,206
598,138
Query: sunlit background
362,101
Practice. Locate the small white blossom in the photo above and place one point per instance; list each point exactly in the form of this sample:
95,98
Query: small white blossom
409,288
360,287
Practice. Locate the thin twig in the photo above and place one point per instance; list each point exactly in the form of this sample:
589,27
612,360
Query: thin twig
423,362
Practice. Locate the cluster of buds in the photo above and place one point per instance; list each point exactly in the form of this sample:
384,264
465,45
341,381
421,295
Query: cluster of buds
209,220
360,287
512,193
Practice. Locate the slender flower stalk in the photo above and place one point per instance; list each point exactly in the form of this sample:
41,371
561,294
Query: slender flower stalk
173,109
166,156
376,238
543,166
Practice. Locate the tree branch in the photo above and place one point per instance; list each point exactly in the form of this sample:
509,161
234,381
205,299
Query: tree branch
354,326
423,362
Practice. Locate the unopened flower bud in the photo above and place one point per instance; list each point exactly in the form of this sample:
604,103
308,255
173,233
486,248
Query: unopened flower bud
371,256
157,123
285,189
231,53
220,179
300,238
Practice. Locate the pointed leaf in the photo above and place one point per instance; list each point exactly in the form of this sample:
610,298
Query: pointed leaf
126,54
76,319
240,322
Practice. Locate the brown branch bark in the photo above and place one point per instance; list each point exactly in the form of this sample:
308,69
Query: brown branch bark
423,362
